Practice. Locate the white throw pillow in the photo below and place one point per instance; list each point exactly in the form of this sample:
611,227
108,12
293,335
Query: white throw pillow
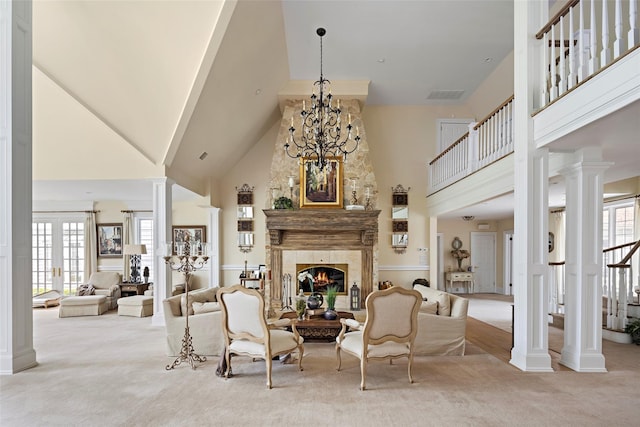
200,295
205,307
444,303
430,307
424,291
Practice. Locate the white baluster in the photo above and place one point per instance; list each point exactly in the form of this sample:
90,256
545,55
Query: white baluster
618,43
546,80
562,70
593,57
572,54
605,53
552,68
582,63
633,37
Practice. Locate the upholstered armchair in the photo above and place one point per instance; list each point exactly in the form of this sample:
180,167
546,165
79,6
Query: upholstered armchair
388,332
107,283
247,332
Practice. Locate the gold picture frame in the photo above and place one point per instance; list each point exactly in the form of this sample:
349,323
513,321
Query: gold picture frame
321,189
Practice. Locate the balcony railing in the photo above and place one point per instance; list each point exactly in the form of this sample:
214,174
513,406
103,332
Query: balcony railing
582,39
486,142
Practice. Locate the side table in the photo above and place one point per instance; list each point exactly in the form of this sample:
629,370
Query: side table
128,289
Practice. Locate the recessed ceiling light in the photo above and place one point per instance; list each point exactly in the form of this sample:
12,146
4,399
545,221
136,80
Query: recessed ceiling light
488,60
203,155
381,60
258,91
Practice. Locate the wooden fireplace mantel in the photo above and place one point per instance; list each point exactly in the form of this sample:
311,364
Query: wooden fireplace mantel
330,229
352,228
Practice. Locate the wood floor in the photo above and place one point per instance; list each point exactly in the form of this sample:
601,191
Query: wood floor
497,342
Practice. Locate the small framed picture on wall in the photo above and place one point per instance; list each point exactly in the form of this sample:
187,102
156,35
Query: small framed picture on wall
109,240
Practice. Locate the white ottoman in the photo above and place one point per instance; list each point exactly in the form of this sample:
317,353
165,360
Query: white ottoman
87,305
136,306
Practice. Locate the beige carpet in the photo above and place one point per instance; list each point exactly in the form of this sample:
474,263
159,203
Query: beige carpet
109,371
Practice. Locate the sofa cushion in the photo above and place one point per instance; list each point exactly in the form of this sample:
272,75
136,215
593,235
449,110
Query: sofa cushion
425,291
442,298
200,295
205,307
430,307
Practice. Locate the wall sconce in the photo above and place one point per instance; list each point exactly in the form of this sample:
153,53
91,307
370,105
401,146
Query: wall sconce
354,296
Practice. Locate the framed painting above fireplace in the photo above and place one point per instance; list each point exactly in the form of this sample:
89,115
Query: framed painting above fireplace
321,188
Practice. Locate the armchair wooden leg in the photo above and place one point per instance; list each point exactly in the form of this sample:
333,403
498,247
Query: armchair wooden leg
409,368
338,356
363,372
301,351
268,363
227,357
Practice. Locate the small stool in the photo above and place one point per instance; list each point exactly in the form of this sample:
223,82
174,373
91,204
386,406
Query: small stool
86,305
136,306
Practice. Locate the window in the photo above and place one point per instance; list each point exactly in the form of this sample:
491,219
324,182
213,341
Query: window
144,235
57,254
617,224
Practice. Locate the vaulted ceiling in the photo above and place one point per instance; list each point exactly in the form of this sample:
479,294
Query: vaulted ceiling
176,79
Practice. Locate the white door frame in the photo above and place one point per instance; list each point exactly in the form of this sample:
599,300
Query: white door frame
474,235
507,255
440,273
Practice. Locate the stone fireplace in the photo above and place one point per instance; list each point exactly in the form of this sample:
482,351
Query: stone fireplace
317,237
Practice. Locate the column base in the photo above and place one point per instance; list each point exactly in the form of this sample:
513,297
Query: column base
12,364
583,362
531,363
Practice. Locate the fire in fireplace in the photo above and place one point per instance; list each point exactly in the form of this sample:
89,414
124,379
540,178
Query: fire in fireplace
324,276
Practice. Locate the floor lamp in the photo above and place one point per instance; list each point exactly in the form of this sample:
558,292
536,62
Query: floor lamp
188,259
134,251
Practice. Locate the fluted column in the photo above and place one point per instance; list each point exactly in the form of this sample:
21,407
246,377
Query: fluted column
162,206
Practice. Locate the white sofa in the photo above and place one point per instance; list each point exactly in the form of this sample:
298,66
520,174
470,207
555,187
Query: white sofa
442,323
205,322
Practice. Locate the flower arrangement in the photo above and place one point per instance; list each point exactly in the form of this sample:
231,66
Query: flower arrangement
460,254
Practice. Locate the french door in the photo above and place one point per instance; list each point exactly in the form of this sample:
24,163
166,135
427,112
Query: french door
58,254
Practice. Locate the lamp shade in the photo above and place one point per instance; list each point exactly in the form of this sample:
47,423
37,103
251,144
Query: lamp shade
135,249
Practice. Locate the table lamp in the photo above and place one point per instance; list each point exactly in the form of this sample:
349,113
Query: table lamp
134,251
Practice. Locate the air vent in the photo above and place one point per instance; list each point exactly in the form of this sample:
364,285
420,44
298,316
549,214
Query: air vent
445,94
203,155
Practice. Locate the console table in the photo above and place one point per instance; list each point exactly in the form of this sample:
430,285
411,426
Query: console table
465,277
128,289
317,327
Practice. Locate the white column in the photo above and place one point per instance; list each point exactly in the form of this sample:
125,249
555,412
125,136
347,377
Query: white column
582,349
16,314
214,241
162,219
530,351
433,252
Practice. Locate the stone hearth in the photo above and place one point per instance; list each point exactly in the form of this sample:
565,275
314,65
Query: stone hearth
321,235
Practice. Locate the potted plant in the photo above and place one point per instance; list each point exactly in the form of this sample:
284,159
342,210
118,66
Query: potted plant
283,203
332,293
633,329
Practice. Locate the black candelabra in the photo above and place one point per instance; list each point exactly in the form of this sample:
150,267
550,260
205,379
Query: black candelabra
188,259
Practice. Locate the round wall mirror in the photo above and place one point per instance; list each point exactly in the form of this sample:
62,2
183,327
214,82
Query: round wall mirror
456,244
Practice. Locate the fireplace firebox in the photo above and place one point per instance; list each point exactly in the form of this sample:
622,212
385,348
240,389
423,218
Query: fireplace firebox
324,276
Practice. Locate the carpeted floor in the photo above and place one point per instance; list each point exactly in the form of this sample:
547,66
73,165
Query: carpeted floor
109,371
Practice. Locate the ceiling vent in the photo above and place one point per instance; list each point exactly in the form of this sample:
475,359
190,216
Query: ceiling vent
445,94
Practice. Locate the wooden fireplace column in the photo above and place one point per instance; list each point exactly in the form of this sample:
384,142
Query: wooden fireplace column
329,229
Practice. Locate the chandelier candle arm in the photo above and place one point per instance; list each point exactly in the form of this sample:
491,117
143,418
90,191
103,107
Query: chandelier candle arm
320,135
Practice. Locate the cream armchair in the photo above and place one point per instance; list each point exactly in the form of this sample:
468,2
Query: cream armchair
107,283
247,332
388,332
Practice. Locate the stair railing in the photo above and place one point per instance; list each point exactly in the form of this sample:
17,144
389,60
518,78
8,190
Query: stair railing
617,283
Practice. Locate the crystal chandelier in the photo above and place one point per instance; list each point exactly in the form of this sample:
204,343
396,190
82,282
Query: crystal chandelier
321,135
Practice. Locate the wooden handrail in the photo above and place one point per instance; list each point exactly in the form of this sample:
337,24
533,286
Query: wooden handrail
449,148
624,245
631,252
557,263
563,11
491,114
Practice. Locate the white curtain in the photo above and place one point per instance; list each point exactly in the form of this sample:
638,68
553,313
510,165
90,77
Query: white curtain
90,245
127,239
